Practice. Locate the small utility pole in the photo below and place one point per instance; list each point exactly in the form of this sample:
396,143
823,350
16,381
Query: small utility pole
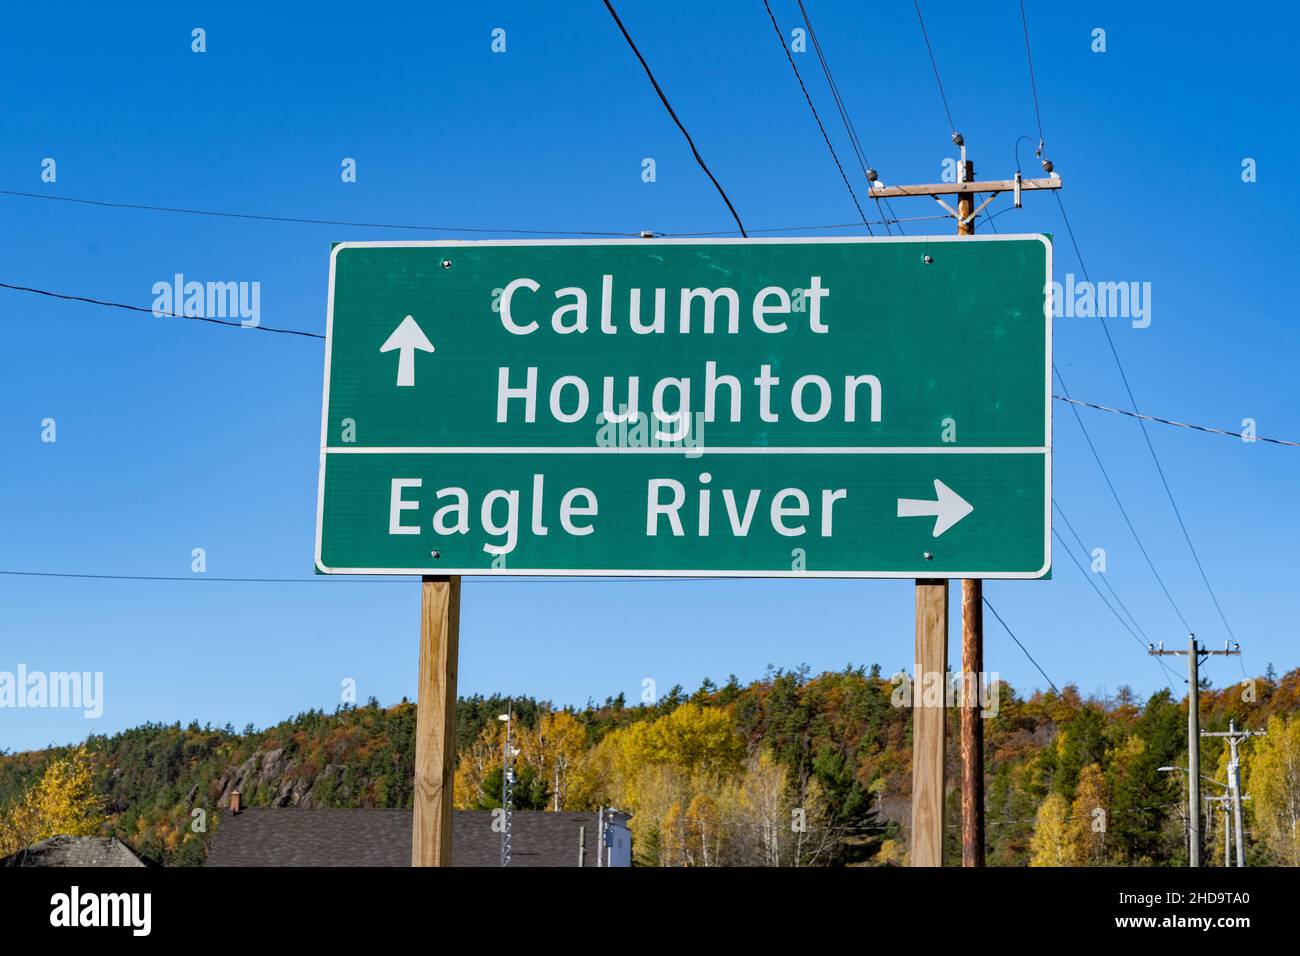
1235,737
927,777
600,837
507,785
1193,652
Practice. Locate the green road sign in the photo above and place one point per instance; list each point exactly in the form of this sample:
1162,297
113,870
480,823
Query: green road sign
794,407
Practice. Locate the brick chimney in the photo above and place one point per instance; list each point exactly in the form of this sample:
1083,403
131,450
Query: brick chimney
234,802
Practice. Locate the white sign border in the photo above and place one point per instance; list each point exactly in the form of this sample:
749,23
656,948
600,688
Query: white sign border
325,450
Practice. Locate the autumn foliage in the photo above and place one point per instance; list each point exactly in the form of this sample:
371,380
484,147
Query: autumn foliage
792,769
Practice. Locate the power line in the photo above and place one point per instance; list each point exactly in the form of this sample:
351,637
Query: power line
668,106
854,141
1168,421
1033,84
324,578
886,221
1104,578
1145,436
780,38
868,172
1143,644
1075,409
485,578
89,576
321,579
1120,504
229,323
304,220
1027,654
926,36
990,216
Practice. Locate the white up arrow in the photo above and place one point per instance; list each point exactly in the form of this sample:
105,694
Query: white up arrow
406,338
947,510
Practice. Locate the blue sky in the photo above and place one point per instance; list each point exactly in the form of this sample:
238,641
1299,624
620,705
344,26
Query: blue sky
175,435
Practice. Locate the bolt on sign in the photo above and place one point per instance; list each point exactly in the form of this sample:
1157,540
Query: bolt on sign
751,407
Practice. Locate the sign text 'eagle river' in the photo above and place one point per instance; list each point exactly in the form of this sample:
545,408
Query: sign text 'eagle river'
833,407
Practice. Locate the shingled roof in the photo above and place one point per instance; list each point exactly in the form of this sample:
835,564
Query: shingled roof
76,851
269,836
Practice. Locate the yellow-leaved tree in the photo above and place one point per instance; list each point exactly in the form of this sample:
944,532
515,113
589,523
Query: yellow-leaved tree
557,750
1088,818
63,802
763,809
476,762
694,836
655,770
1050,844
1273,783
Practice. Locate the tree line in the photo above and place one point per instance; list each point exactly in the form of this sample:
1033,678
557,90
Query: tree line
791,769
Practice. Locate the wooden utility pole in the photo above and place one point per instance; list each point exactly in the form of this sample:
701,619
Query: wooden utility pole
965,200
972,727
1193,652
927,732
931,672
972,646
435,720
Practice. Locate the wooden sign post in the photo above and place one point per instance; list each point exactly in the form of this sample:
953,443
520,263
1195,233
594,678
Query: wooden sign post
972,648
928,722
435,720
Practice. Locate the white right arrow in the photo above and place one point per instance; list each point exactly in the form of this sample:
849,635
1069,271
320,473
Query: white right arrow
407,337
948,509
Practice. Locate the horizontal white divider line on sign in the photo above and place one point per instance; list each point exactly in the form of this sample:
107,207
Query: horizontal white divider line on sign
698,450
